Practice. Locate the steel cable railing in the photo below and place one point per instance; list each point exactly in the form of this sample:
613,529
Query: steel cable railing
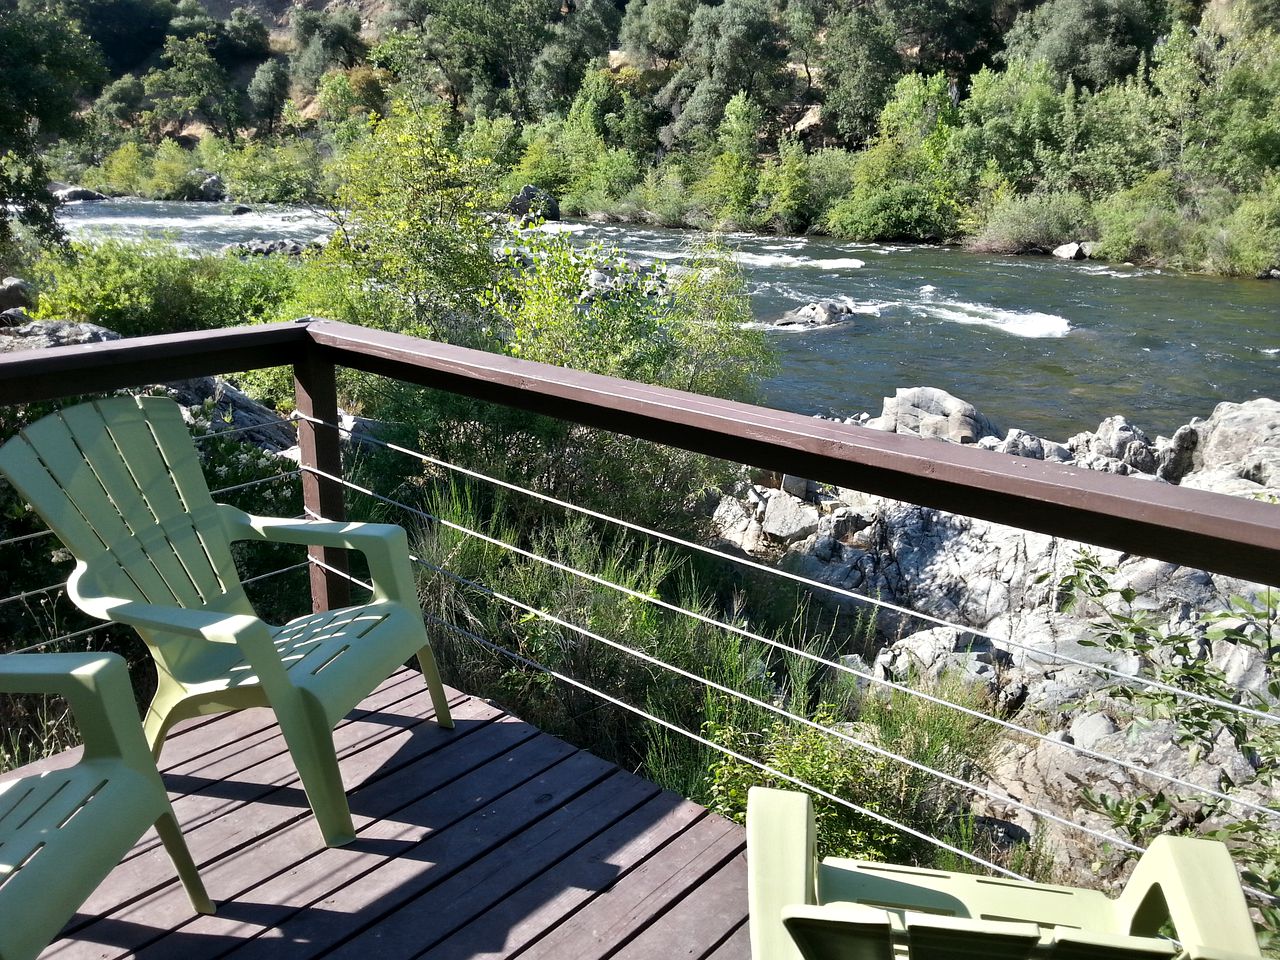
813,584
991,795
1238,802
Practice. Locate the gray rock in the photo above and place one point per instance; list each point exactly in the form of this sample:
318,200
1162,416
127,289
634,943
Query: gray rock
211,188
1088,728
78,194
819,313
216,406
928,654
40,334
798,486
1175,459
788,519
930,412
240,209
1019,443
15,292
1235,431
1070,251
14,317
533,203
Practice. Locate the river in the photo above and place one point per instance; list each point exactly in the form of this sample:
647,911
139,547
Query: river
1046,345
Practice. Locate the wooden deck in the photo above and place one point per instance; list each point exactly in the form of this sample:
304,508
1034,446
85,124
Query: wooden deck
491,840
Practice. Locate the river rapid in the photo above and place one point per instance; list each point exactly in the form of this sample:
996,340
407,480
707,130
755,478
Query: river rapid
1050,346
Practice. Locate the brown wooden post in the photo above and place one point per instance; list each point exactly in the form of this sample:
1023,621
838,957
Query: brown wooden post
316,395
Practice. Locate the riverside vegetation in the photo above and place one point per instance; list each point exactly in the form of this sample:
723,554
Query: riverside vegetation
414,168
1148,126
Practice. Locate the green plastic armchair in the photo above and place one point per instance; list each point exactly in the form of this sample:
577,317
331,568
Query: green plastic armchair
856,910
63,831
120,483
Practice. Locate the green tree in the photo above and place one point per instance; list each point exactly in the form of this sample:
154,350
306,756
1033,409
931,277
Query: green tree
1089,42
860,63
127,32
580,35
322,39
656,30
731,47
48,62
246,35
267,92
193,85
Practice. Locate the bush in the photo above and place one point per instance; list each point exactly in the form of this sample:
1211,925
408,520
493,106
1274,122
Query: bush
1035,223
831,172
891,211
137,289
1249,241
1146,224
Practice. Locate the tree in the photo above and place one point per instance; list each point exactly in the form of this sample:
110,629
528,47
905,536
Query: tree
268,91
731,47
860,64
126,31
323,39
1089,42
655,30
582,33
194,85
803,20
246,36
48,62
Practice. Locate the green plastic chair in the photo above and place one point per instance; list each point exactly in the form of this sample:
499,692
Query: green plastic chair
62,832
119,482
856,910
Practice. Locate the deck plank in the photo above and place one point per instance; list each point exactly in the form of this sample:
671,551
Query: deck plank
542,904
490,841
499,874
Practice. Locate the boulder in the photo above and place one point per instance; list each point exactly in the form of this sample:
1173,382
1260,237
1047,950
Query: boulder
787,519
819,313
78,194
240,209
14,317
532,203
930,412
211,187
15,292
926,655
39,334
1235,431
1070,251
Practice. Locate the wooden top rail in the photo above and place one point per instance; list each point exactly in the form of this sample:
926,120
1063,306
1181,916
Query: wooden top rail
1225,534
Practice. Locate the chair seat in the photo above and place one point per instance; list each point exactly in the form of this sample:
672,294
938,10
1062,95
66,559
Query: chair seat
336,653
89,810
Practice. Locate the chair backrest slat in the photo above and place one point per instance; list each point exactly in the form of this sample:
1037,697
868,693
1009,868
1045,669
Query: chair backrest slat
119,482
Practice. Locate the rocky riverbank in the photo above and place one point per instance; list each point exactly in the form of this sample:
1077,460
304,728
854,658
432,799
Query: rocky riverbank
1000,588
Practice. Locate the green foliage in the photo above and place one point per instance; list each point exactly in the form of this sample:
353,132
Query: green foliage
413,248
193,85
322,39
729,187
126,32
861,63
1035,223
782,196
1144,223
929,734
732,48
137,289
267,92
1088,42
48,62
1179,659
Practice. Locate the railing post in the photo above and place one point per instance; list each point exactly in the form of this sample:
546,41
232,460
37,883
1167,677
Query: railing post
316,395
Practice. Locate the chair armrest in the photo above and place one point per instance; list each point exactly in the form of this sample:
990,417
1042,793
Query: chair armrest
248,633
384,545
781,866
1195,885
96,686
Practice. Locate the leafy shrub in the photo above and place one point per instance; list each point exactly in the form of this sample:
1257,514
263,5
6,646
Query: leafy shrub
1038,222
831,173
1250,235
891,211
1145,223
137,289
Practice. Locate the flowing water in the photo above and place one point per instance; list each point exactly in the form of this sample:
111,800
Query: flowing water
1046,345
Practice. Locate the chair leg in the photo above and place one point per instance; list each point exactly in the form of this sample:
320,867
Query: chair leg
310,743
176,845
431,673
163,712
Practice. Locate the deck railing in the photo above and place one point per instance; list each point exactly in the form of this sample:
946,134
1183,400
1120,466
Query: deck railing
1229,535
